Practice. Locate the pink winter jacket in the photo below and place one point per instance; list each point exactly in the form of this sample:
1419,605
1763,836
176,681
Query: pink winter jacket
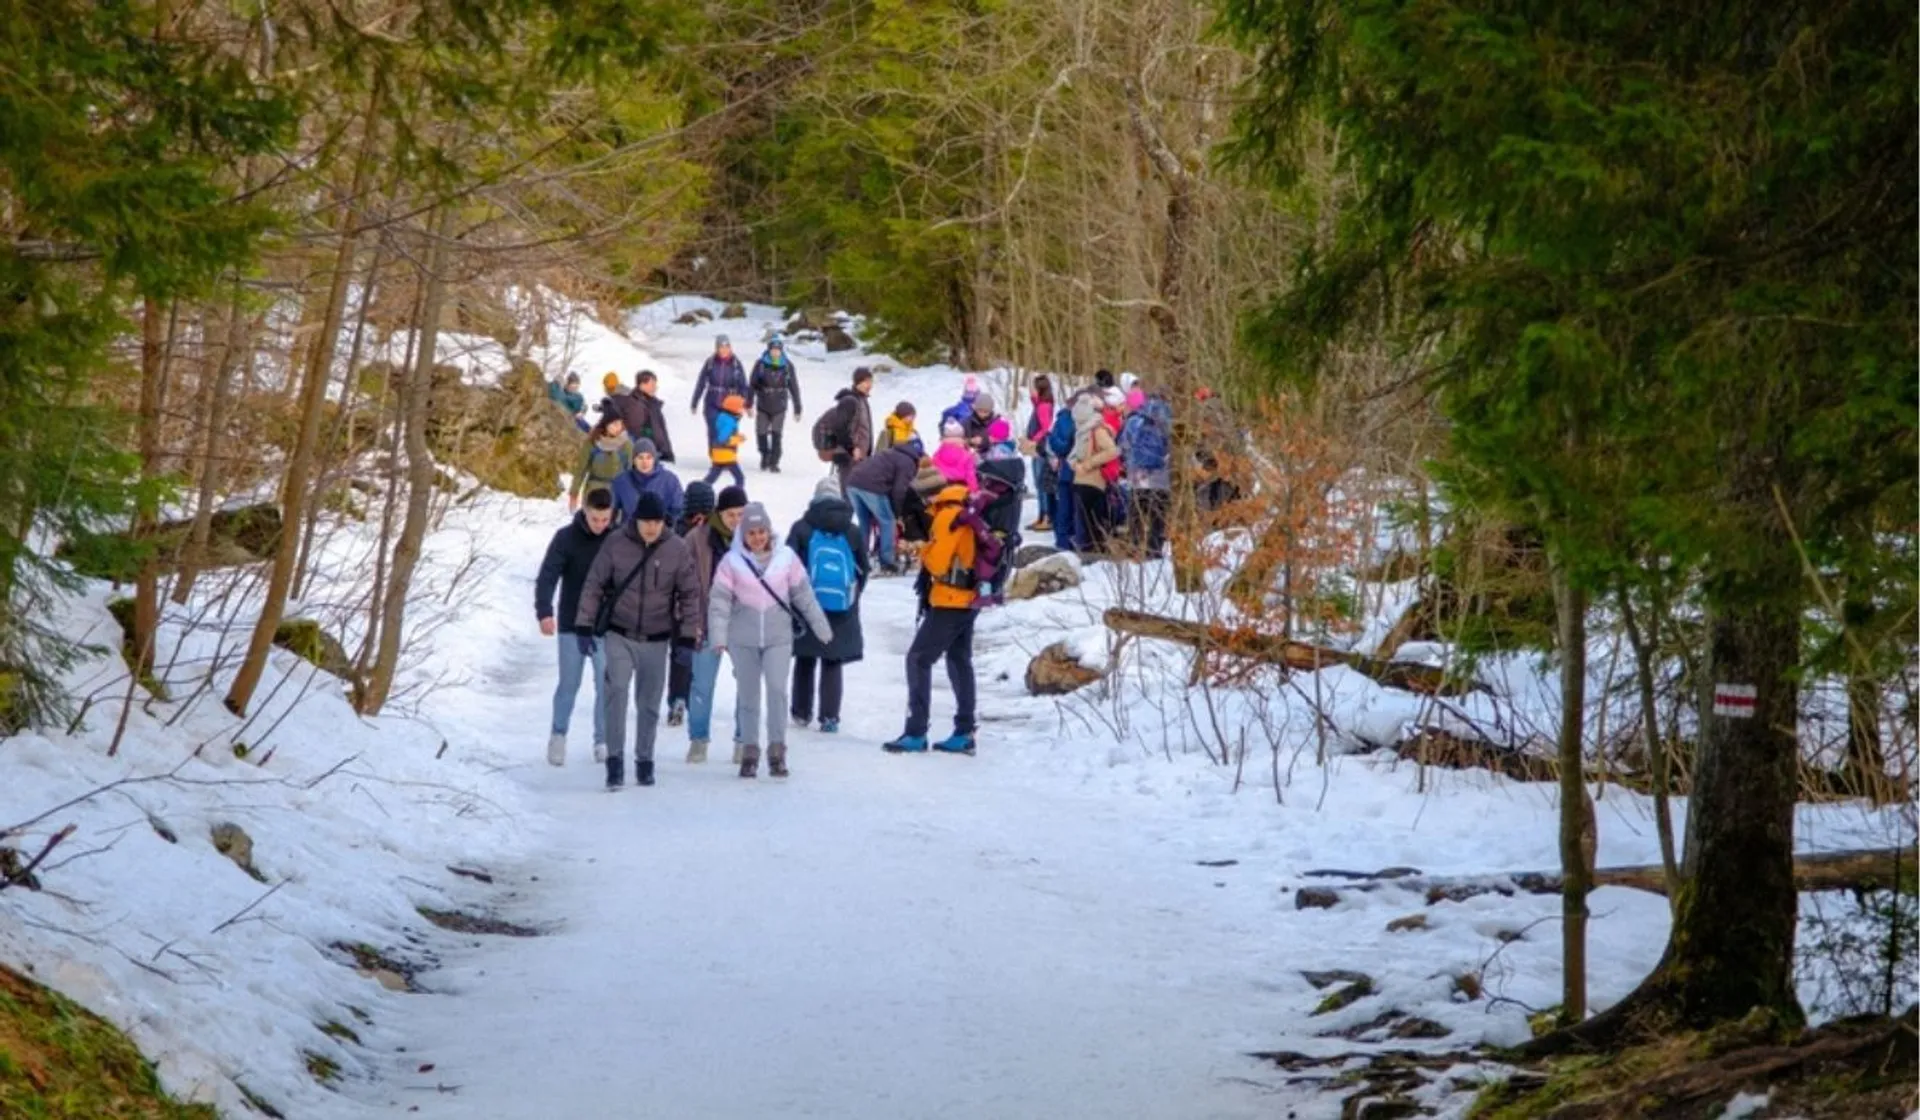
742,615
955,462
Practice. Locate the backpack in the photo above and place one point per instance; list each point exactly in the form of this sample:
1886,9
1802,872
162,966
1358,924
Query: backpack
604,466
830,568
1060,439
827,436
1147,446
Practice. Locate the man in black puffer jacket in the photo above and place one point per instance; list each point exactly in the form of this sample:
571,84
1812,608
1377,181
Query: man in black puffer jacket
569,557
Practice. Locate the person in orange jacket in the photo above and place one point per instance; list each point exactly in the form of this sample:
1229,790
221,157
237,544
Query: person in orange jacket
961,555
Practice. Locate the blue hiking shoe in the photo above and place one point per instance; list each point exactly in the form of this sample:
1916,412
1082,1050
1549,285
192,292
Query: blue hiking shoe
829,727
956,743
906,744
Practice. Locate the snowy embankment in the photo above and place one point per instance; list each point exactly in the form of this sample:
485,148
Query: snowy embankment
1092,917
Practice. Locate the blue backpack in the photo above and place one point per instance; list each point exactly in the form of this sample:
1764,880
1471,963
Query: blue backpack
831,570
1060,439
1147,449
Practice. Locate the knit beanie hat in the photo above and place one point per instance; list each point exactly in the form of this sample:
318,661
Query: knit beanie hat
699,498
952,430
649,507
1000,431
733,497
610,382
644,446
983,404
755,518
829,488
905,410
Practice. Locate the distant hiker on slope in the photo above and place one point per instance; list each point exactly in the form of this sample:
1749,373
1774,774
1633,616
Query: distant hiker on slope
641,599
760,596
844,433
728,435
569,558
645,414
709,543
836,562
647,476
606,457
567,395
773,383
959,552
720,377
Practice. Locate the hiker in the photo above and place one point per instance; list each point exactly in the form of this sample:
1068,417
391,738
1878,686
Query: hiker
567,395
569,557
978,423
709,544
647,476
1146,441
604,459
1038,425
773,384
969,393
952,458
1093,449
1069,533
610,386
720,377
950,573
724,451
877,488
641,599
694,513
760,596
645,414
844,433
825,539
898,427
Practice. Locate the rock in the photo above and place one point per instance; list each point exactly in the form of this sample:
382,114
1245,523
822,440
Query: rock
1054,574
1387,1108
1467,986
305,639
1315,898
1336,976
390,980
1033,554
1407,924
1055,671
734,311
837,338
809,319
695,317
1413,1026
232,841
246,535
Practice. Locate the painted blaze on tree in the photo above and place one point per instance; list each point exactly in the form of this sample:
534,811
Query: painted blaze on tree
1660,260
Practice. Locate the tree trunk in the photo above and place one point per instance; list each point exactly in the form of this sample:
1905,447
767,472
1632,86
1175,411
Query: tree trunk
154,342
237,338
338,445
413,531
1645,643
1576,823
293,492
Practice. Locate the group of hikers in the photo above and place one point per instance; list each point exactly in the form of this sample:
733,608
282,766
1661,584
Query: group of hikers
658,582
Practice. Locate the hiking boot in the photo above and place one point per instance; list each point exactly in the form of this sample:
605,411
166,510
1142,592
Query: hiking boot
829,727
777,760
749,761
599,752
616,774
957,743
643,773
677,713
556,749
1040,525
697,752
905,744
800,721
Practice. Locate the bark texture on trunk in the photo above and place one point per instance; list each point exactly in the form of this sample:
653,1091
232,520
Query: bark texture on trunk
1576,822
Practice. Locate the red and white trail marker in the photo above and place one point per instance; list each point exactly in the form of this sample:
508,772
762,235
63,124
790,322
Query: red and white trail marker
1735,701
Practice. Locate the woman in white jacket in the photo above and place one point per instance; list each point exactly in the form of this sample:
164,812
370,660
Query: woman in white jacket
760,594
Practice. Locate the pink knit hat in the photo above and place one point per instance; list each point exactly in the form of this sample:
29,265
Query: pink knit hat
1135,398
1000,431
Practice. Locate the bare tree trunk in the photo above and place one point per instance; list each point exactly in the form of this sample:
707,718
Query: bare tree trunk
1176,235
339,440
1646,642
420,471
237,338
293,492
1576,822
154,341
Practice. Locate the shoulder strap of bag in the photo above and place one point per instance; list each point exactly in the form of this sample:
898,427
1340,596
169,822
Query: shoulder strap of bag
609,604
744,559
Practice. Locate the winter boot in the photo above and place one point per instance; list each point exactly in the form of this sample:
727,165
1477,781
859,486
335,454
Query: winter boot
643,773
777,760
800,721
697,751
677,713
829,727
959,742
749,761
906,744
556,749
616,774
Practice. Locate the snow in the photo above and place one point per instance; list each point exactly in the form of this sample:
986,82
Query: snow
1744,1105
1046,929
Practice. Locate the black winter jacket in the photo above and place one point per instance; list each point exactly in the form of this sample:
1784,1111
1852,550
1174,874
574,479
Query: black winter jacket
569,556
832,515
891,473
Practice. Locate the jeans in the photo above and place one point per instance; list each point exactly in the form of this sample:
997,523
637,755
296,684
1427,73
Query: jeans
573,665
706,670
739,476
946,632
1067,536
874,510
831,687
1043,487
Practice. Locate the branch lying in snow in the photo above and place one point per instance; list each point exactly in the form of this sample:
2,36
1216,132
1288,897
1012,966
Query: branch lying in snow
248,908
23,876
1860,869
173,775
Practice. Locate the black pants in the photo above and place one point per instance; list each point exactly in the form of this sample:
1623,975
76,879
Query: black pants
945,632
1147,521
767,429
830,688
1096,515
679,682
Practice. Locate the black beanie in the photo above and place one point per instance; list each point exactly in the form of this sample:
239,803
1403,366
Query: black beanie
649,507
699,499
733,497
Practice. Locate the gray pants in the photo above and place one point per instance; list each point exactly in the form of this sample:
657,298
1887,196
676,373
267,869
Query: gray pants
645,665
754,669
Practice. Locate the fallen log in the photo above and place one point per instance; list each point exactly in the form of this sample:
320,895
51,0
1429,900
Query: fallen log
1861,869
1275,650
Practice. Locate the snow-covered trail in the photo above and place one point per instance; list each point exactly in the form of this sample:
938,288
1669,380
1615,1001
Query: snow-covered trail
876,936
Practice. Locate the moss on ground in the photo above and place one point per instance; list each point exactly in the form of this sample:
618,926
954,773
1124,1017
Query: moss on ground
59,1061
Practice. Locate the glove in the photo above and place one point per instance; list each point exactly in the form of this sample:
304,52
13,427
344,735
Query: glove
683,652
586,644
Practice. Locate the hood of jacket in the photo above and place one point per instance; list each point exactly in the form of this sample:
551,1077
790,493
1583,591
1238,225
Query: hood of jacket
900,428
846,392
1086,414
